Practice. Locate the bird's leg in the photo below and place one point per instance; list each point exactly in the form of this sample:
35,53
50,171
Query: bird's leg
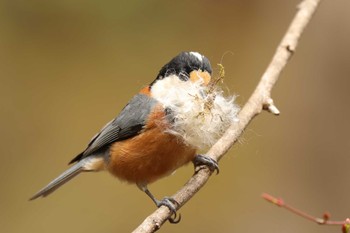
201,160
166,201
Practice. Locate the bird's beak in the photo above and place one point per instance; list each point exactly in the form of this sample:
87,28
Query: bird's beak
198,74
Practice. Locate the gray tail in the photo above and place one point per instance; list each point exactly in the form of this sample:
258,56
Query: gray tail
60,180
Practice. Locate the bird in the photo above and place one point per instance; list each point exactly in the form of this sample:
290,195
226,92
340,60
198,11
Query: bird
159,130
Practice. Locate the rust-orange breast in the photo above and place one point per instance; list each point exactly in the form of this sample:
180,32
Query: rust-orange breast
152,154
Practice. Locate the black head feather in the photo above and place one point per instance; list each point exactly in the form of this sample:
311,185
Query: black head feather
183,64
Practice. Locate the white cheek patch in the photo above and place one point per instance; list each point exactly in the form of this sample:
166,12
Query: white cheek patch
200,117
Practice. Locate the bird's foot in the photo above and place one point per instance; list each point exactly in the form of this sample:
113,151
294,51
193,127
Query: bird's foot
200,160
170,203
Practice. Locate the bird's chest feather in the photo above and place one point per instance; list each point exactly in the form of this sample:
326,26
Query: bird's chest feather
152,154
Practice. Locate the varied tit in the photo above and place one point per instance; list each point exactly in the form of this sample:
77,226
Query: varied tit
160,129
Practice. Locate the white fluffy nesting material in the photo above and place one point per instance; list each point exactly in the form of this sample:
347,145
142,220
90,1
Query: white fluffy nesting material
200,116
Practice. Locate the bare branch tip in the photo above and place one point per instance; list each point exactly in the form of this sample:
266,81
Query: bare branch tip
270,107
277,201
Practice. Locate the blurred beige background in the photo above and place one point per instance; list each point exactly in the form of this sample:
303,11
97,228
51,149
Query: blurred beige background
68,67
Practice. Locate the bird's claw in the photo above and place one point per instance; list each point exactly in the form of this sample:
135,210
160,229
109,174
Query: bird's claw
170,203
174,219
207,161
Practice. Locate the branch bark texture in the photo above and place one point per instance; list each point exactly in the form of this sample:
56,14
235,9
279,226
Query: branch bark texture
259,100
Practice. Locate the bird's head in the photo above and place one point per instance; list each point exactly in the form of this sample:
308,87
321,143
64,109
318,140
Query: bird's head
187,66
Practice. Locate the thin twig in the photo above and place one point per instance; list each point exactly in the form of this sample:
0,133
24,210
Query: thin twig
260,99
321,221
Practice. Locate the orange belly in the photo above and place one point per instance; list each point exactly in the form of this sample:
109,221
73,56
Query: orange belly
150,155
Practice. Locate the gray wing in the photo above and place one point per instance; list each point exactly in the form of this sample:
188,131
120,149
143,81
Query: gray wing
126,125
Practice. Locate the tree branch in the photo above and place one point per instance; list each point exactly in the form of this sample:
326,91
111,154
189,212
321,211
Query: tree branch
259,100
